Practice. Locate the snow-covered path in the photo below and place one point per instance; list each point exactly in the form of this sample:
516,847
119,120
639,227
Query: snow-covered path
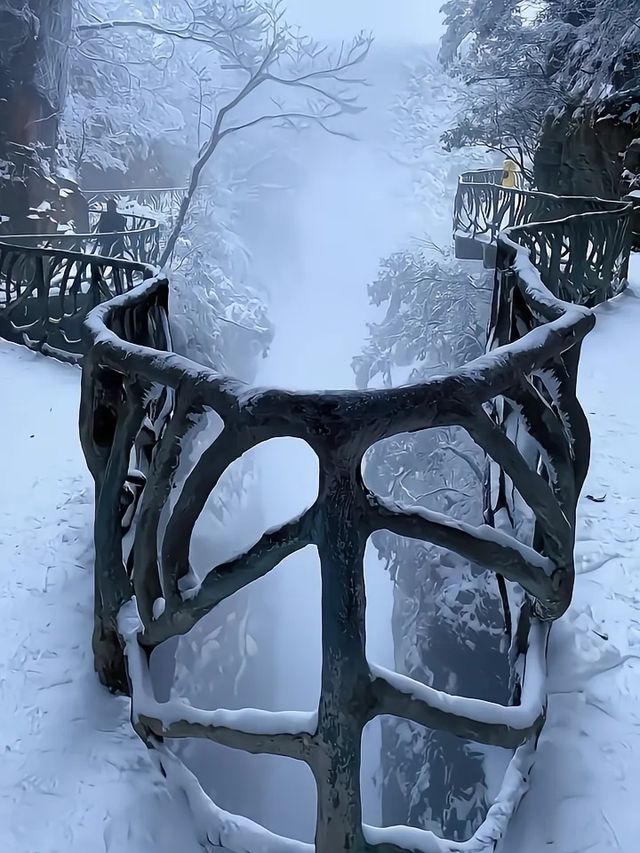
73,776
586,778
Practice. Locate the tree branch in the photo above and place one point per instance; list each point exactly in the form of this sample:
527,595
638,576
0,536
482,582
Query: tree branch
483,545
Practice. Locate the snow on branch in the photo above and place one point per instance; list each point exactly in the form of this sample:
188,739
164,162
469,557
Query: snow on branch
148,586
484,722
199,484
402,839
214,825
487,546
226,579
554,445
555,527
252,730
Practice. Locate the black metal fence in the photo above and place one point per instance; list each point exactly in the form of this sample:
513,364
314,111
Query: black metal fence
50,282
46,294
139,242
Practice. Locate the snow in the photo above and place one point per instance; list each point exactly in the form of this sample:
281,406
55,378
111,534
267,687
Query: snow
586,775
74,777
247,720
487,834
481,532
519,717
214,825
69,753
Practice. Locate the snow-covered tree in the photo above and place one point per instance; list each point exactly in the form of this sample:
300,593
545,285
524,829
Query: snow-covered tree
428,102
219,309
526,65
126,86
33,83
263,71
191,76
447,623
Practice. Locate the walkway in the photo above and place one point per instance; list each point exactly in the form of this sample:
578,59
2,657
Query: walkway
585,782
73,776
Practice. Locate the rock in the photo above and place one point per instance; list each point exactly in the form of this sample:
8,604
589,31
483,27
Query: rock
581,149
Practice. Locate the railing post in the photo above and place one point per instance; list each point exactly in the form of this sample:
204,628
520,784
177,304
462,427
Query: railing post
108,425
345,672
42,290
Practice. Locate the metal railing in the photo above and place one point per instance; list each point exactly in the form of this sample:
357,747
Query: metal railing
46,294
49,282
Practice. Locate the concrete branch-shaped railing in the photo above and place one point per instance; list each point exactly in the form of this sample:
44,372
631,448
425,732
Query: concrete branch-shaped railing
46,294
139,404
50,282
139,242
590,271
518,402
139,399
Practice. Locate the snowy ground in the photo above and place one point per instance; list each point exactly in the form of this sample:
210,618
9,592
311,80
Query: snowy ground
73,777
586,779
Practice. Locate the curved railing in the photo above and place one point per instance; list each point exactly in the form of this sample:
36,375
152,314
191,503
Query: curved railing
46,294
163,203
518,402
50,282
138,399
584,261
139,242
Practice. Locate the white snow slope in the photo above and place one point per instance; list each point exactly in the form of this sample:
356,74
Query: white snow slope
75,779
73,776
586,778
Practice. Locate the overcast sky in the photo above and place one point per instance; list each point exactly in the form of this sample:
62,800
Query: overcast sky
391,20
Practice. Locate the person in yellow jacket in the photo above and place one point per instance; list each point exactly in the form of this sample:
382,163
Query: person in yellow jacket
510,173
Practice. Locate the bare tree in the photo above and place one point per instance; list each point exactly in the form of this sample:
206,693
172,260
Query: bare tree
310,84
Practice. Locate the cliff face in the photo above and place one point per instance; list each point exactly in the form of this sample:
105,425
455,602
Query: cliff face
33,78
581,152
33,66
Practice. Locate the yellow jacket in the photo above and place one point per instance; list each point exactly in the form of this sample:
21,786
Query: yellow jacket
510,173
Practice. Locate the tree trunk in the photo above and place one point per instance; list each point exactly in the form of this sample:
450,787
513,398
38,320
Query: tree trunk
34,35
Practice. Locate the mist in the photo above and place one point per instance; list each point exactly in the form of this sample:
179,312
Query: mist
347,203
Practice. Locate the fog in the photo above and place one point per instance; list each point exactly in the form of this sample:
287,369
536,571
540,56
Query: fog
391,21
350,204
355,206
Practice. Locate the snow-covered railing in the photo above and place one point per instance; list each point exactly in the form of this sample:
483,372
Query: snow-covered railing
46,293
163,203
582,258
587,255
138,242
518,402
